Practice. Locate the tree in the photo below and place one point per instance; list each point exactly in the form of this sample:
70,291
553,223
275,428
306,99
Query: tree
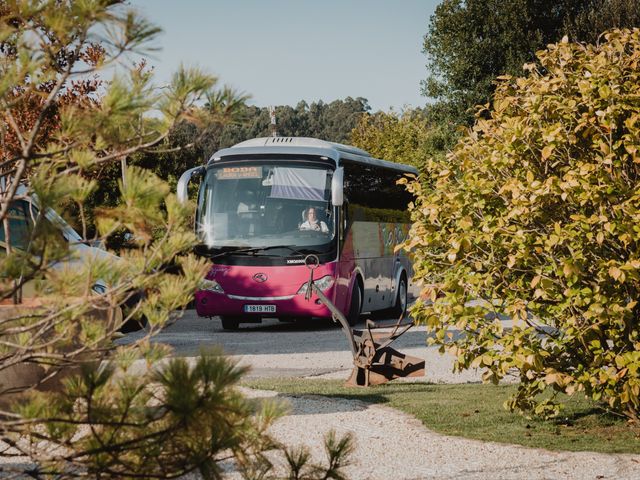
334,121
328,121
192,141
225,120
534,215
103,419
601,15
470,43
407,138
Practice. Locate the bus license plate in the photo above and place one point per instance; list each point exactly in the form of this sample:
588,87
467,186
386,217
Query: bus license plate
260,309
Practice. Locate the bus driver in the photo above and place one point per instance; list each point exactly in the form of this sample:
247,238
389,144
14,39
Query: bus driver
311,222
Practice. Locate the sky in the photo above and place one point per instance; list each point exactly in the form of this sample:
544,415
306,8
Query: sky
284,51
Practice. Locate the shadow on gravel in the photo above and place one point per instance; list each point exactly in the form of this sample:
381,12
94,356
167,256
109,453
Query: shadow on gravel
351,400
319,405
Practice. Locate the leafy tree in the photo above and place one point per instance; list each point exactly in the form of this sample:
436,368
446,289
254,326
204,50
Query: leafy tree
328,121
598,16
225,120
405,138
192,140
103,419
535,215
334,121
471,42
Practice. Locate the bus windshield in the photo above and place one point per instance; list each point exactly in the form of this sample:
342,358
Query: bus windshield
264,205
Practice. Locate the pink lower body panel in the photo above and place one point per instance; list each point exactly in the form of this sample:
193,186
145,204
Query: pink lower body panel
264,291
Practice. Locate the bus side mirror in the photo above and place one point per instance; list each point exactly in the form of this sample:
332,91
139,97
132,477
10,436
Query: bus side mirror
183,183
337,192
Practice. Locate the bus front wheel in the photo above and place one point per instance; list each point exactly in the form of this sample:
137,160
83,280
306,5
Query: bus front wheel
356,304
229,323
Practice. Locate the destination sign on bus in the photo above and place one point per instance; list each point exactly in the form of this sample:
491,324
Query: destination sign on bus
237,173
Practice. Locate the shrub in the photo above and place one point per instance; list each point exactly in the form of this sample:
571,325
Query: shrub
536,215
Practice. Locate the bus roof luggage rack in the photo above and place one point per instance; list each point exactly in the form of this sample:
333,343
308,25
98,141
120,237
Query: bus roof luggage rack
375,362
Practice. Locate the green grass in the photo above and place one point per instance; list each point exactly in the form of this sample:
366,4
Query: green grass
476,411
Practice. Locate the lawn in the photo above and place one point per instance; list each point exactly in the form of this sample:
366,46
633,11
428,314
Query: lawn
476,411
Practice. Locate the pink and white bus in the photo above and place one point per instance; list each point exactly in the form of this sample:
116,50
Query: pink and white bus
265,204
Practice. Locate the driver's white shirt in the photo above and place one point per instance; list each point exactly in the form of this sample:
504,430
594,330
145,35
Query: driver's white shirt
318,226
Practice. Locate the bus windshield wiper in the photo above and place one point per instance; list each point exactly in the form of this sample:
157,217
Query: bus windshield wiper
255,250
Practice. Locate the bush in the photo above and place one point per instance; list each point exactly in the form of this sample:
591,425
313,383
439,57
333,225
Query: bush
536,214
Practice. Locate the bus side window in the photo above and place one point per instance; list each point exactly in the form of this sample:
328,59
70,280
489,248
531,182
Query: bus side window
374,194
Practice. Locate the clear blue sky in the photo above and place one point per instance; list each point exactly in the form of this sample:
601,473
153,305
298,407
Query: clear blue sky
284,51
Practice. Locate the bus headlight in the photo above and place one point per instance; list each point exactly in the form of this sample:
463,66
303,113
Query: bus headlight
323,284
211,286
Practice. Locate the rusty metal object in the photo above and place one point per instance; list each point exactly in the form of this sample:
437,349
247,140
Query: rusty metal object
375,362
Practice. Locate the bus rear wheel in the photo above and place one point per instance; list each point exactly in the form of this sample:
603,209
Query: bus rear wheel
229,323
400,306
356,304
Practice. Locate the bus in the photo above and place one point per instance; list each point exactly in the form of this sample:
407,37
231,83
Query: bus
265,204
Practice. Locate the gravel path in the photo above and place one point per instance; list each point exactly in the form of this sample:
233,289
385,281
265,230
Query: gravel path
394,445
